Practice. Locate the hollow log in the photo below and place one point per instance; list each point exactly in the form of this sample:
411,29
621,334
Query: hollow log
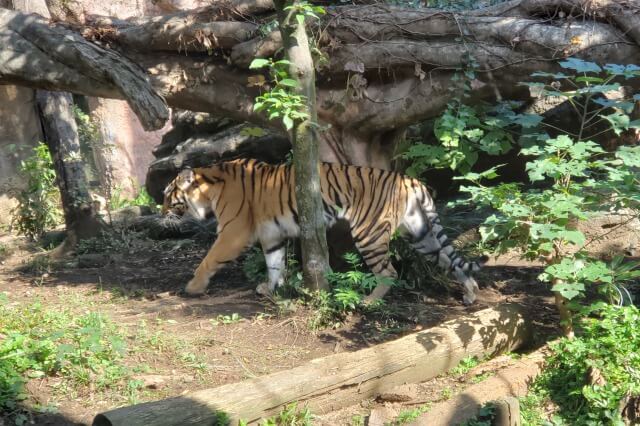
339,380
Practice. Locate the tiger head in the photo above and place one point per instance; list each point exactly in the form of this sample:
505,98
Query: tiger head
185,195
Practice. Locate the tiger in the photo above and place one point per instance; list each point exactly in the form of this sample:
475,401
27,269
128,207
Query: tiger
256,202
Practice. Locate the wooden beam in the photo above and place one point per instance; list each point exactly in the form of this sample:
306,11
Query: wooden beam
329,383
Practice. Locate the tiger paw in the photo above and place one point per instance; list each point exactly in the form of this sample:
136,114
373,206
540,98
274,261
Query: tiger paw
264,290
195,289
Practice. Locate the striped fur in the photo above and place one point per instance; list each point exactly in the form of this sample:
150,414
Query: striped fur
253,201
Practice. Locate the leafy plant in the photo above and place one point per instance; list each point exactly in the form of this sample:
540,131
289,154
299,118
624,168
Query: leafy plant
465,365
348,290
38,342
446,393
38,206
590,377
280,101
226,319
407,416
577,178
303,9
485,416
464,131
290,415
254,266
118,202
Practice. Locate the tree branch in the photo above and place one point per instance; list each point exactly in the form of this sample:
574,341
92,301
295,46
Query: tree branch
37,54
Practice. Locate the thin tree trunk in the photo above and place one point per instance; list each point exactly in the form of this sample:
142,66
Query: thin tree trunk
313,240
566,319
61,136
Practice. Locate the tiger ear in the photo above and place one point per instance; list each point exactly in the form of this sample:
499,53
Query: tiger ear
187,176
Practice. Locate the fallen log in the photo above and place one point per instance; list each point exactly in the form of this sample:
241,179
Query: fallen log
336,381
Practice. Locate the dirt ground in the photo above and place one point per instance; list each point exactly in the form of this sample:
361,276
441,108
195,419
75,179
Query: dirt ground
232,334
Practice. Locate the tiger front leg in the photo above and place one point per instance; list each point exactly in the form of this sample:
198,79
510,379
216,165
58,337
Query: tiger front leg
226,248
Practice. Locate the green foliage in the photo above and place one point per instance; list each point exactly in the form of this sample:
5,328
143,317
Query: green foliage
290,415
38,208
226,319
303,9
117,201
463,131
465,365
485,416
578,178
37,342
349,288
407,416
588,377
532,409
254,266
347,293
357,420
281,101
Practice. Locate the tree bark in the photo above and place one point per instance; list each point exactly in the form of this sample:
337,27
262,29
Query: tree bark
36,54
387,67
336,381
306,161
61,136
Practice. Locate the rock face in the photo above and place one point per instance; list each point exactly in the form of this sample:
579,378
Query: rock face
126,146
130,146
199,140
20,131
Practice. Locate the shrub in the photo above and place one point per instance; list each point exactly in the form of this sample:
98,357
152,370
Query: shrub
38,206
590,376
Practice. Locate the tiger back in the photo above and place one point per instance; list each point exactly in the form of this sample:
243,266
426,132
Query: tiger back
255,202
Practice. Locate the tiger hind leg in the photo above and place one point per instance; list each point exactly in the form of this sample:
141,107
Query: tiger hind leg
375,251
274,255
429,239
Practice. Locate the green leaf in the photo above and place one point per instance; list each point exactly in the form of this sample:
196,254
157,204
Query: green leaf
569,290
254,132
619,122
259,63
625,70
586,79
556,76
580,66
528,120
289,82
630,155
288,122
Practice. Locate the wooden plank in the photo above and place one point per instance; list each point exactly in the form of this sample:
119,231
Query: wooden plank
329,383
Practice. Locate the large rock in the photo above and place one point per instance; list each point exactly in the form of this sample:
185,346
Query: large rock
209,140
